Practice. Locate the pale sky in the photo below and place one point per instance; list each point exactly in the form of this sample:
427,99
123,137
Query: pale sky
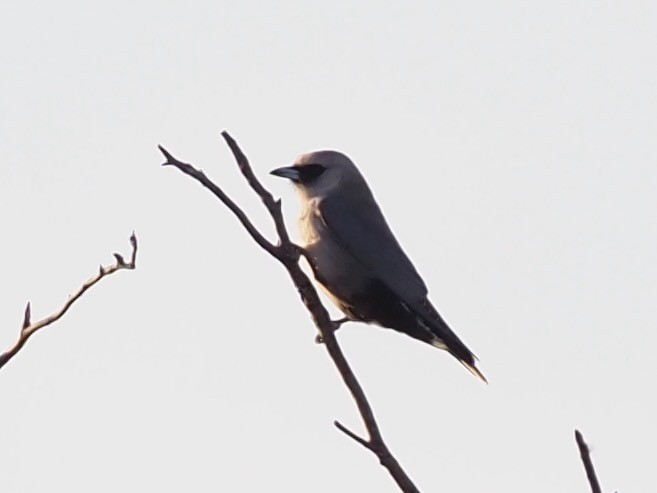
512,148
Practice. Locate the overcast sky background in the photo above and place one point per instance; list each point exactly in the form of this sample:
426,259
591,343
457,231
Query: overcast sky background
512,147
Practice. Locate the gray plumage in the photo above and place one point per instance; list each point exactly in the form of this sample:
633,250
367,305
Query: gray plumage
357,259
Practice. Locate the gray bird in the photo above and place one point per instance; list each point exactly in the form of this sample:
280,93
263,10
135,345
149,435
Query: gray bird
356,258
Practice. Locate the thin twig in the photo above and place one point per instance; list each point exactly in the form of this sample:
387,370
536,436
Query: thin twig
219,193
352,435
288,254
29,328
273,206
585,453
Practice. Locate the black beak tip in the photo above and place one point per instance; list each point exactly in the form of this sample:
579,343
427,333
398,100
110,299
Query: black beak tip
288,172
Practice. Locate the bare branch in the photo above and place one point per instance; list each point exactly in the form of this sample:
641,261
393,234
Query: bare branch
288,254
28,328
219,193
588,465
273,206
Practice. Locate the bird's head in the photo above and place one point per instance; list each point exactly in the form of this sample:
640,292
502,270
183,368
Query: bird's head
320,173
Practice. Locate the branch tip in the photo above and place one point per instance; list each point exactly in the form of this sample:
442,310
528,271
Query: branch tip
133,256
585,454
27,315
352,435
119,259
170,160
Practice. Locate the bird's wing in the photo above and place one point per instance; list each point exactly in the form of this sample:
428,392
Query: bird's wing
363,232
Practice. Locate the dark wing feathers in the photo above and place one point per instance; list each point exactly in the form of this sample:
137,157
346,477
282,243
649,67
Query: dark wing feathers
364,233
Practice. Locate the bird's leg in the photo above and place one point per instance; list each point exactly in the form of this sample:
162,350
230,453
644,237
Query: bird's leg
336,324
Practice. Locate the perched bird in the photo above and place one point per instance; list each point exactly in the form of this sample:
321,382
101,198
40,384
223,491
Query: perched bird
357,259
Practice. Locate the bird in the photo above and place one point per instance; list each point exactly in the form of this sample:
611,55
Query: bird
356,258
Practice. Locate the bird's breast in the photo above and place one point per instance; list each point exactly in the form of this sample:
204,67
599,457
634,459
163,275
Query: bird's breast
335,268
311,224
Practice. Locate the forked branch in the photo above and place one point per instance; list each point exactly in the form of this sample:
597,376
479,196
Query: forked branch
288,254
29,328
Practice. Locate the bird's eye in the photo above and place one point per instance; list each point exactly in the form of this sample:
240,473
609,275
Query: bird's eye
310,172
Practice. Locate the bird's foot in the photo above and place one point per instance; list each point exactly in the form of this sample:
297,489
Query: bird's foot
335,325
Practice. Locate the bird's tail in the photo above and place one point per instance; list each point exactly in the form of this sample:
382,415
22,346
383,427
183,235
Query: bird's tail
443,337
474,370
469,363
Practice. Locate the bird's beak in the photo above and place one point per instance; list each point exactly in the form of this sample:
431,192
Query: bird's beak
289,172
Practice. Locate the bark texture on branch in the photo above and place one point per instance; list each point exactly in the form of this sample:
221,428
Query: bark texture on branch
288,254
